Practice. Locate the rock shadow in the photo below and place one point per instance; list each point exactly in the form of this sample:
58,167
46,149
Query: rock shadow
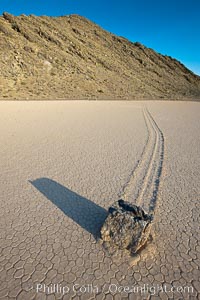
84,212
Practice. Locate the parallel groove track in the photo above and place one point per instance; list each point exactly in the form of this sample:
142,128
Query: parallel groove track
142,186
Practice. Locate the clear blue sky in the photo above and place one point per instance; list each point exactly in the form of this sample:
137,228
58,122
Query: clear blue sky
170,27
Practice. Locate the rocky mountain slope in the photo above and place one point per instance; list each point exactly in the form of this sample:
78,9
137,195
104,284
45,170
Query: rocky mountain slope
70,57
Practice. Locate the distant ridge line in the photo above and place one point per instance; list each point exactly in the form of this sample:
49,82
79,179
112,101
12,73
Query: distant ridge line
70,57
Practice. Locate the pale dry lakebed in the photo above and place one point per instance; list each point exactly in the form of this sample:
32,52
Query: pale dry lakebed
63,164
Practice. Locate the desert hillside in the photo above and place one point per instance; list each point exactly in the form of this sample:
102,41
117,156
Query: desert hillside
70,57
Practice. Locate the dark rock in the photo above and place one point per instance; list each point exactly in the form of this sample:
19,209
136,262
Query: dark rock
126,227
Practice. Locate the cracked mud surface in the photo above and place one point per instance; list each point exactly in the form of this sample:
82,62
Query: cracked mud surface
64,163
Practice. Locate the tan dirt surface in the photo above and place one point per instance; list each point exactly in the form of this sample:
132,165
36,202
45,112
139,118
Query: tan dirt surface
63,164
70,57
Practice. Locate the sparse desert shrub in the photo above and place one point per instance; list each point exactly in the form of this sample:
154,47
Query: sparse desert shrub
76,31
28,49
137,44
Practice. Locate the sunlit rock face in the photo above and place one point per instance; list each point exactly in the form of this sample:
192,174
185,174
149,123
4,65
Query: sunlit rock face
127,227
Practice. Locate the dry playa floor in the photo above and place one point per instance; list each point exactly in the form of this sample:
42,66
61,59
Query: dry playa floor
63,164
